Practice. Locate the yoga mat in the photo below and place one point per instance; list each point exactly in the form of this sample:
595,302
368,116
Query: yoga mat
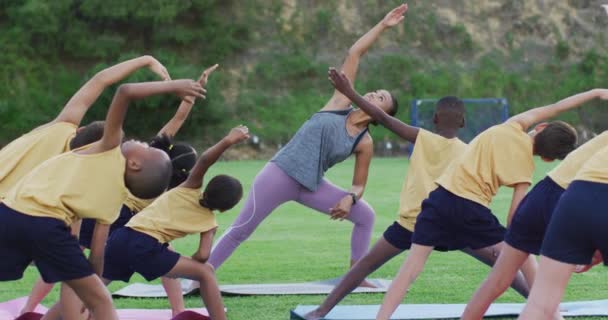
10,309
140,290
448,311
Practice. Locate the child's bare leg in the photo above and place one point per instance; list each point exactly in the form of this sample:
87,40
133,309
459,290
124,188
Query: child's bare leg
374,259
205,274
548,289
40,290
497,282
93,293
489,256
529,269
54,313
174,294
409,271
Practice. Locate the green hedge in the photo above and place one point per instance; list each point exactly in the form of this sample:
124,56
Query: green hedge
272,77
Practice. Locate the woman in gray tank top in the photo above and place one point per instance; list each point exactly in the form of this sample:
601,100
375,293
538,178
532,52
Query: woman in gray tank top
296,172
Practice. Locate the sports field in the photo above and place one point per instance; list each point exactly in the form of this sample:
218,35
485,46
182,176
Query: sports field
297,244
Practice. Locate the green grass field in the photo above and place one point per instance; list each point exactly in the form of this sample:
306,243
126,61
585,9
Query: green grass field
298,244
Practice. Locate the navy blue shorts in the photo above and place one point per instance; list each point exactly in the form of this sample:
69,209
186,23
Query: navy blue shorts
449,222
88,225
47,241
579,224
532,216
129,251
398,236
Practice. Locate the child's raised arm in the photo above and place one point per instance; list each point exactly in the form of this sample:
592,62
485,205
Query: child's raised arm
170,129
126,93
343,85
210,156
81,101
528,118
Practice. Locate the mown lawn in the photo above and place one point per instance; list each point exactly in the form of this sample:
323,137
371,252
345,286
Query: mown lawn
298,244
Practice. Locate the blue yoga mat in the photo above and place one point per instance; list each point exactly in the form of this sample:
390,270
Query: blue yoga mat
448,311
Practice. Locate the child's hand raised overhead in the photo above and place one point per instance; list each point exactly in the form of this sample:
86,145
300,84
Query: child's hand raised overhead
158,68
395,16
188,90
205,75
238,134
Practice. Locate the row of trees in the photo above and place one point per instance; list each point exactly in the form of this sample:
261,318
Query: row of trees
272,77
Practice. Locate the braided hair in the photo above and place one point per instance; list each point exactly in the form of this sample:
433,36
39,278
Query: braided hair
182,155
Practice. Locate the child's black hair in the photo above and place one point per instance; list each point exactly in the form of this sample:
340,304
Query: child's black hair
87,134
182,155
555,141
222,193
450,111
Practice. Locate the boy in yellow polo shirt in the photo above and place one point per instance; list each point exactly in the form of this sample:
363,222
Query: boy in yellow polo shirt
577,229
62,134
456,215
37,212
142,245
431,156
527,229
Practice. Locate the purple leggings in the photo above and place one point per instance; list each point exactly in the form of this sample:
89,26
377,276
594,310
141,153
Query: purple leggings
271,188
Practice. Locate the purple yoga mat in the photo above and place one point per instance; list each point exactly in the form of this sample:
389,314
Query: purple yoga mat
10,309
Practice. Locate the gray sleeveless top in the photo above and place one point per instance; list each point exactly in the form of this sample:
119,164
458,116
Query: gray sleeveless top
320,143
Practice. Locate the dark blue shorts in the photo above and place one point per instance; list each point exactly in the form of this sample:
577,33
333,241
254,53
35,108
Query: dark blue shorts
47,241
532,216
129,251
579,225
88,225
449,222
398,236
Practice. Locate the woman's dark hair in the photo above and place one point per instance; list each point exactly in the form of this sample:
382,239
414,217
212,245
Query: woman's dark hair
393,111
222,193
182,155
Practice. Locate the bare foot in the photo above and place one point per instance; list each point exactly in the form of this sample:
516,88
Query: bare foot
314,315
367,284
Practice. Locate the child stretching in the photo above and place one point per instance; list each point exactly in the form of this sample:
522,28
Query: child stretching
86,183
183,157
577,229
62,134
141,246
431,156
527,229
456,215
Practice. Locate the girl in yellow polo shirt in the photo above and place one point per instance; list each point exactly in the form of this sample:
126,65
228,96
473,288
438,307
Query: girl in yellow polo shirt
142,245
